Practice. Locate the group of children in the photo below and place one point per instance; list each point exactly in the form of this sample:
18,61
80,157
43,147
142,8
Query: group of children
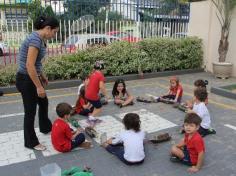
128,146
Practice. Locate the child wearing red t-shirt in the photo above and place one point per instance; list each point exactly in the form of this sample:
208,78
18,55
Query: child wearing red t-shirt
64,139
191,149
96,83
174,94
83,107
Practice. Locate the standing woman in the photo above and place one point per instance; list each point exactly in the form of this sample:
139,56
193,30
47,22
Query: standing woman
30,80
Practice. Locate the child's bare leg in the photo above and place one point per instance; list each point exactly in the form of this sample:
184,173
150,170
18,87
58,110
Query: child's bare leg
177,152
128,101
118,101
96,111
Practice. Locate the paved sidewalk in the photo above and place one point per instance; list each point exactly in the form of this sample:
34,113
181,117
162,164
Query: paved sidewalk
220,157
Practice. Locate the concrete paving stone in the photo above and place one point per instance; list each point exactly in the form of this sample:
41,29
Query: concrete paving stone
150,122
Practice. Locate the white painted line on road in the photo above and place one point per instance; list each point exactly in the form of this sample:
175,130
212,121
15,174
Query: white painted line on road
11,115
230,126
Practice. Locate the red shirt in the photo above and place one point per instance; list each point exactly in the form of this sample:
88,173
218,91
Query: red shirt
195,145
174,90
80,104
92,90
61,136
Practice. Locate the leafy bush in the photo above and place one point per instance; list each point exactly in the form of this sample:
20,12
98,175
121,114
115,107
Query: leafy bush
149,55
8,75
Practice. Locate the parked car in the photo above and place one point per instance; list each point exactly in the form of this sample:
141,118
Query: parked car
4,49
125,36
82,41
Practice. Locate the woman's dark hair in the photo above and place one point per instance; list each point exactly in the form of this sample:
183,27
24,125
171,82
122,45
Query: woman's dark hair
201,83
201,94
192,118
114,91
132,122
63,109
41,22
82,92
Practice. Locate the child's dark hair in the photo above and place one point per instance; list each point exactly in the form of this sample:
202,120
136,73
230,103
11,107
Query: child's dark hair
63,109
114,90
98,65
201,94
192,118
132,122
201,83
84,76
41,22
82,92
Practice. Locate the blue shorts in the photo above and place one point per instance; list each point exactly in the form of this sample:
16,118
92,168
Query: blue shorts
96,103
186,160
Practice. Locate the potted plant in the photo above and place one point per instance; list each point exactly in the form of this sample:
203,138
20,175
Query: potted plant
225,8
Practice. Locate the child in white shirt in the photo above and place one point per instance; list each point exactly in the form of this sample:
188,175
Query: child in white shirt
128,145
199,107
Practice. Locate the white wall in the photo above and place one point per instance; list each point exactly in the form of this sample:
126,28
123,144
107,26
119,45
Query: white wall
204,24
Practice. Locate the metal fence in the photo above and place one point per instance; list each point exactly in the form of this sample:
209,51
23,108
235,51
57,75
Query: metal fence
118,20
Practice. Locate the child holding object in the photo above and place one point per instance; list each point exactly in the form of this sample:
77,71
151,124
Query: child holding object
128,145
120,94
64,139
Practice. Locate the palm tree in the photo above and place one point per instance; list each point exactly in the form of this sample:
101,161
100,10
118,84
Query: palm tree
225,10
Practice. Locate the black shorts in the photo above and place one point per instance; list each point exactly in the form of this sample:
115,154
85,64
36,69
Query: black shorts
96,103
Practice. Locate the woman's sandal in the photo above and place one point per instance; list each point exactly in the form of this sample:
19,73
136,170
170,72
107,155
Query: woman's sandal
40,147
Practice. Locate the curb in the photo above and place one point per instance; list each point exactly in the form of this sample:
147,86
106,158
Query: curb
74,83
222,92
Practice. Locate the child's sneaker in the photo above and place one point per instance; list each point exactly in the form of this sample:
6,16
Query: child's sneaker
211,131
174,158
90,132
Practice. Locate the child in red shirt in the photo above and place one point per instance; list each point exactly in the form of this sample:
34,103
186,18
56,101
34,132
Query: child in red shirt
175,92
83,107
95,84
63,138
191,148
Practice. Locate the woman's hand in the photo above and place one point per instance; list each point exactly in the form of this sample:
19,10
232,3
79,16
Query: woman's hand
41,92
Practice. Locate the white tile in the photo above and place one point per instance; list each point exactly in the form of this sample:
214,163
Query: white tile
109,125
150,122
13,150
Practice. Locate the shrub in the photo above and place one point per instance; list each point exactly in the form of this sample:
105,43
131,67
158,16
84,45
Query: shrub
8,75
149,55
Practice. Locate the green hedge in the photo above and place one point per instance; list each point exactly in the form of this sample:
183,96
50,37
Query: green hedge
149,55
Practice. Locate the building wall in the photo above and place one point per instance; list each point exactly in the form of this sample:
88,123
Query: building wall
204,24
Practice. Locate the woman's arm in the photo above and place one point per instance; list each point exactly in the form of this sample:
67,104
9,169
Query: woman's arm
30,66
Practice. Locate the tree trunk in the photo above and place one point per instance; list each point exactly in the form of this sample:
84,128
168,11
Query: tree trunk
224,45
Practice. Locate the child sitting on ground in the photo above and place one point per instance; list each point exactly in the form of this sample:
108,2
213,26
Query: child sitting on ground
199,107
95,84
174,94
191,149
121,95
197,83
63,138
83,107
128,145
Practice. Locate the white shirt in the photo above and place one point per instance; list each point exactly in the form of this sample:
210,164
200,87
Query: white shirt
201,110
81,85
133,144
